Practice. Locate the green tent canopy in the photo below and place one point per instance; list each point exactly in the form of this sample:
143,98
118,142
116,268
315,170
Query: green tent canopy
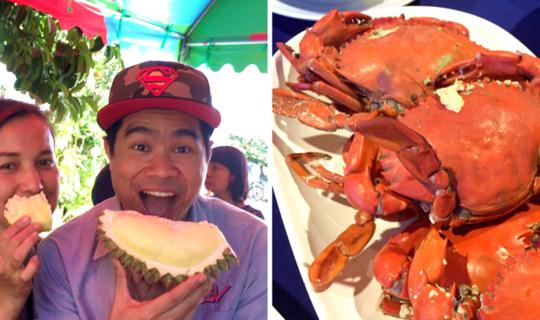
232,31
211,32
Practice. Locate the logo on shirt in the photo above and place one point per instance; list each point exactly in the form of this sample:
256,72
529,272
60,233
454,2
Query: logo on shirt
215,295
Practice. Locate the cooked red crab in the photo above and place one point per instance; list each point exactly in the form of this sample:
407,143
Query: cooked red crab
360,62
488,271
465,155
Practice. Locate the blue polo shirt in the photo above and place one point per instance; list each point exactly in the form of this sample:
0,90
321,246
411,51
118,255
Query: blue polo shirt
76,277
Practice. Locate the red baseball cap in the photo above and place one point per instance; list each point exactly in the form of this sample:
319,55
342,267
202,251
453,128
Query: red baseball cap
163,85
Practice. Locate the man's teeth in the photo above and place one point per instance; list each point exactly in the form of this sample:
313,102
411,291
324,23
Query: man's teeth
159,194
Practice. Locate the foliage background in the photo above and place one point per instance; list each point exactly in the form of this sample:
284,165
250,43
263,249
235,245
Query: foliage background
69,76
256,151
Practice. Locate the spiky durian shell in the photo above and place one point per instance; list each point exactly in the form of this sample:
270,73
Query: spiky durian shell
36,206
167,235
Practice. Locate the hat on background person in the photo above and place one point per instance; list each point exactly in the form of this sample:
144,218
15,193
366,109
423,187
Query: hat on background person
159,84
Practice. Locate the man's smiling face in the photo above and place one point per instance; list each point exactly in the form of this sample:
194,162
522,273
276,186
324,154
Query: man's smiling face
159,162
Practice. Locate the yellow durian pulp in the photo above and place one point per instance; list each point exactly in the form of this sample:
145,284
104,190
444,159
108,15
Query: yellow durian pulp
178,249
36,206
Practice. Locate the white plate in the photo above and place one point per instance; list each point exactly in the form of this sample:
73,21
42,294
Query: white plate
313,219
306,10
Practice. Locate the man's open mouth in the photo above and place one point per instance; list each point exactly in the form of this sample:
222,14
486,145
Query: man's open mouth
158,203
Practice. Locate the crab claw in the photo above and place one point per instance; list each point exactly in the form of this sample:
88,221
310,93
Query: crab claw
307,168
336,28
416,155
331,261
433,302
391,265
318,53
429,300
322,40
306,109
499,65
395,307
359,155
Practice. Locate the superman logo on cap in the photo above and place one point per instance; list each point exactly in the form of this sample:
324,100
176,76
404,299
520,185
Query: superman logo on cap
157,78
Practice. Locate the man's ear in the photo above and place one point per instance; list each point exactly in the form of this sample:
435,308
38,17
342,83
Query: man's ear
107,148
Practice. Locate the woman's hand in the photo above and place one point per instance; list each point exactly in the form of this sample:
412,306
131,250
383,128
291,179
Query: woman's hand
178,303
16,242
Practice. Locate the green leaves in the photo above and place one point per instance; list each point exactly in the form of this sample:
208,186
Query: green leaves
80,157
51,64
256,150
59,67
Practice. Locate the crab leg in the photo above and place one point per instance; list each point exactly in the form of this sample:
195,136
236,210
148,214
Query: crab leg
334,93
329,76
317,114
500,65
327,180
331,261
359,154
358,187
308,110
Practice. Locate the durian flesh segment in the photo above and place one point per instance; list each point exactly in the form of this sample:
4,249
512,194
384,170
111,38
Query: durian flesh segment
36,206
175,247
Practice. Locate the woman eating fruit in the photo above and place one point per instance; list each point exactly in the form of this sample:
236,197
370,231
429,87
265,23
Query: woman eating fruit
27,170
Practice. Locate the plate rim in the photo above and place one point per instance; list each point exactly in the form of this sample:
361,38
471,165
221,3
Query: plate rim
291,11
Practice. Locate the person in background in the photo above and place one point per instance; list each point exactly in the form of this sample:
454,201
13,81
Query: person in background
102,189
227,177
158,125
27,167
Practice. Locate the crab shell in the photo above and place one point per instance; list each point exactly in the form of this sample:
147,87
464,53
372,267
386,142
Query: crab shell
515,290
399,57
360,62
490,146
476,254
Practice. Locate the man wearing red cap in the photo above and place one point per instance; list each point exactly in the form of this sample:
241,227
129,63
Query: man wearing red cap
158,123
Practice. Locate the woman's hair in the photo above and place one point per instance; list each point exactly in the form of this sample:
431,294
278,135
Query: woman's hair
236,162
102,188
11,109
